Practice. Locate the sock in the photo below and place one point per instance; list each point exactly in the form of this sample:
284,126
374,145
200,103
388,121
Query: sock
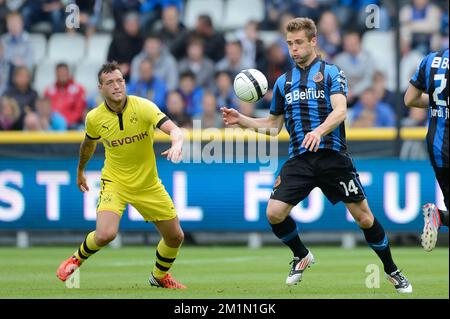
378,241
443,214
87,248
165,256
287,232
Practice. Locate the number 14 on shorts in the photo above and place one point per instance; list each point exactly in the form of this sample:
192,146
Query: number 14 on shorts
349,187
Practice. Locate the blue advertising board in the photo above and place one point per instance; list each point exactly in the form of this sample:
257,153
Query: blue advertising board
42,194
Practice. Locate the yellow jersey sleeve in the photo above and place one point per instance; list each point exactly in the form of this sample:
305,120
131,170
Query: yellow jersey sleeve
91,131
153,114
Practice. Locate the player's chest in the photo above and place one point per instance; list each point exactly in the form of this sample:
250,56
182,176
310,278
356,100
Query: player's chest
125,124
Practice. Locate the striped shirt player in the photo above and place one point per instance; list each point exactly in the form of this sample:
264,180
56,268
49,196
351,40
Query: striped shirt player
429,89
310,100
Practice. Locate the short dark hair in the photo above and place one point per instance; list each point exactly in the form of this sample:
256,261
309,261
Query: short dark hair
107,68
62,65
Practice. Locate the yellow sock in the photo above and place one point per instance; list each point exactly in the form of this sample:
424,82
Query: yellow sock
87,248
165,256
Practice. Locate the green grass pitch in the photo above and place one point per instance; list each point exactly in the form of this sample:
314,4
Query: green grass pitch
221,272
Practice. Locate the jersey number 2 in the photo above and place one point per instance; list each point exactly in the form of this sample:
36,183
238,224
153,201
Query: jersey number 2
351,188
438,90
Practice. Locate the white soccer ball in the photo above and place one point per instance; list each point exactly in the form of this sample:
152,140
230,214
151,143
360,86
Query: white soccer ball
250,85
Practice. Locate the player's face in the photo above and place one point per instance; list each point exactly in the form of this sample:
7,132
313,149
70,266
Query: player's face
300,47
113,86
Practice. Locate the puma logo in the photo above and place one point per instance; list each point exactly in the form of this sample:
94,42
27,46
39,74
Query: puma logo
105,127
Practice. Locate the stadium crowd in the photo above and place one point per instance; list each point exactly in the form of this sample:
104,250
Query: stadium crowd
189,72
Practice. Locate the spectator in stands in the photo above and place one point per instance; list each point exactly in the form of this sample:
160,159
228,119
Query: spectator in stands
191,94
420,23
148,85
151,11
173,32
381,92
281,40
31,122
10,115
305,8
53,11
252,45
273,10
126,44
90,15
198,63
329,39
67,97
176,110
214,41
370,112
121,8
21,90
49,120
357,65
209,117
164,64
224,91
234,60
16,43
4,71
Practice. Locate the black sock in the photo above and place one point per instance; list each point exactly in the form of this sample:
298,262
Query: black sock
287,232
378,241
443,214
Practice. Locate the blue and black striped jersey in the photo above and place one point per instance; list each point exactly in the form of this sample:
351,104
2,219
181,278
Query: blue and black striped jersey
432,77
303,96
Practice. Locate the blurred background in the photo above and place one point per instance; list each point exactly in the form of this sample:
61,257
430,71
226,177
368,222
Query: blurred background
183,55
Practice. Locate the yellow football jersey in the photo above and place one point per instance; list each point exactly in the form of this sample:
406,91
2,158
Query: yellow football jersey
128,141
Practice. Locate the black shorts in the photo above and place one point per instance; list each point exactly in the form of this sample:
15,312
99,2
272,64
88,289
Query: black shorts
442,178
331,171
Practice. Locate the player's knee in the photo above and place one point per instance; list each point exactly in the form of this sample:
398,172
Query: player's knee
274,217
365,220
175,239
103,237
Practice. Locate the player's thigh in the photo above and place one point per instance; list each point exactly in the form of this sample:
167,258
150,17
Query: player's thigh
339,180
110,206
294,183
154,203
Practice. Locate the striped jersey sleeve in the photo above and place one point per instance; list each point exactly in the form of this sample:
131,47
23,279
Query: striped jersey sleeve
277,104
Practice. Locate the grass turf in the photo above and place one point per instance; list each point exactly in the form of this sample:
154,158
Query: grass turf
221,272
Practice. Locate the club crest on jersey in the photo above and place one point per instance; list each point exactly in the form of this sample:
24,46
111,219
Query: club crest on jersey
133,118
318,77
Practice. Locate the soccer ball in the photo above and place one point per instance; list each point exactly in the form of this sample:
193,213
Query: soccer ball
250,85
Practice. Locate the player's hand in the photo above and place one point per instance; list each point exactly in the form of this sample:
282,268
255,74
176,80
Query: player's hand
82,183
230,116
175,153
312,141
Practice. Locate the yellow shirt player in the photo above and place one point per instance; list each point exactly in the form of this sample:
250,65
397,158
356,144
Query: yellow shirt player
125,125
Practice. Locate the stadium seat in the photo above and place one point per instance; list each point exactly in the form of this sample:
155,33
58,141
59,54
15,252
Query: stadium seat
97,47
39,45
238,13
194,8
66,47
86,75
44,76
381,46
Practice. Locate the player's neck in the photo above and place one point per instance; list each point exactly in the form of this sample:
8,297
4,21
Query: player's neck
116,106
307,63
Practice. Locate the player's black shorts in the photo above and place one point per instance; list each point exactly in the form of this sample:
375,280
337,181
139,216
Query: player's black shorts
442,178
333,172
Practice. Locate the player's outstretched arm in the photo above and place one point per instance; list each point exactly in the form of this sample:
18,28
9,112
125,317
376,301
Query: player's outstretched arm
415,97
175,152
334,119
87,149
270,125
